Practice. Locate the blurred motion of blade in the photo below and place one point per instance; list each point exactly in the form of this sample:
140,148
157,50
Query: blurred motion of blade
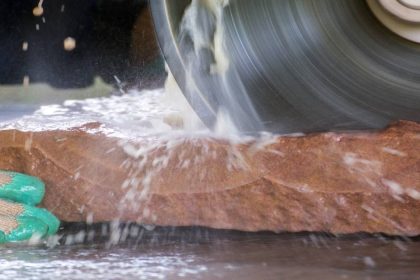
294,65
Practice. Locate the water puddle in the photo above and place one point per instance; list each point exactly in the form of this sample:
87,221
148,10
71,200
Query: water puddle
197,253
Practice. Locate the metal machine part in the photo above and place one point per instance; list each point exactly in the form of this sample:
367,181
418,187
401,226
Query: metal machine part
400,16
294,65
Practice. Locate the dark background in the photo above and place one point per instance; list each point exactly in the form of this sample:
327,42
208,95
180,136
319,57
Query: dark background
113,37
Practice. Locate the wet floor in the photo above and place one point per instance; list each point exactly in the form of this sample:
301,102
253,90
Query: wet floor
208,254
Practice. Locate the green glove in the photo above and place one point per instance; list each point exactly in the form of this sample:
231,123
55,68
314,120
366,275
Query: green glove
19,218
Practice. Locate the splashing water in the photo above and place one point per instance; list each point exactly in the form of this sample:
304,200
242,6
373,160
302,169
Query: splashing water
202,28
160,118
164,120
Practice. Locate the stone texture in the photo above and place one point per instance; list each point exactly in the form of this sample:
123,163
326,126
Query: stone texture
332,182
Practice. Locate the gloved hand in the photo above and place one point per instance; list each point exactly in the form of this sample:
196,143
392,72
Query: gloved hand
19,218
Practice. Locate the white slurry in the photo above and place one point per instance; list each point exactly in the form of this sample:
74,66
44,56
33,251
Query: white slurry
133,115
203,25
203,39
394,152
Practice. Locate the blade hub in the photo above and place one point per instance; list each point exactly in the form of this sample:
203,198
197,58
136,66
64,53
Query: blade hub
400,16
406,10
412,4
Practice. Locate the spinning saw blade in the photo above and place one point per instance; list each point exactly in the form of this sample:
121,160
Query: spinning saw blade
292,65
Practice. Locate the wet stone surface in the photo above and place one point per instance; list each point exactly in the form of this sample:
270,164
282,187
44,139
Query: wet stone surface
198,253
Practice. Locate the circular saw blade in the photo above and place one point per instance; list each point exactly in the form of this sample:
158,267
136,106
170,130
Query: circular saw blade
294,65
